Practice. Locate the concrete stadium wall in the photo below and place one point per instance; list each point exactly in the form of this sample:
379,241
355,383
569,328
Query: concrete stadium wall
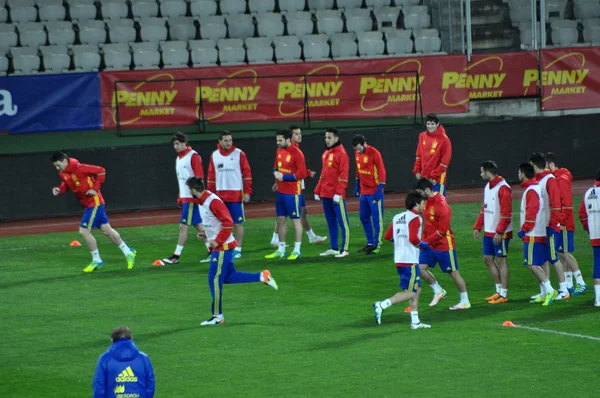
143,177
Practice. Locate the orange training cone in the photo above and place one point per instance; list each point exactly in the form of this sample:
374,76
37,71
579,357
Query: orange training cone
158,263
75,243
508,324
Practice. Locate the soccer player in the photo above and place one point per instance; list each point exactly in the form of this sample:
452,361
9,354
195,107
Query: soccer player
313,238
589,213
533,231
218,228
405,232
496,220
434,152
566,240
188,164
553,216
440,238
331,190
85,181
370,181
289,171
230,177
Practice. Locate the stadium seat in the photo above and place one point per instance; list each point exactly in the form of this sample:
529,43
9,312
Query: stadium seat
117,56
299,24
357,23
270,25
287,49
121,33
182,28
56,58
32,34
16,3
175,54
144,46
203,8
26,64
387,17
22,14
320,4
16,51
258,54
8,38
231,51
153,29
357,12
261,6
406,3
343,48
564,33
591,31
232,7
330,26
144,9
328,14
286,6
173,8
526,36
3,14
92,32
377,3
586,9
203,52
60,32
213,30
427,44
555,9
416,17
370,44
240,26
3,65
82,11
316,47
114,10
86,58
399,42
144,58
52,12
349,4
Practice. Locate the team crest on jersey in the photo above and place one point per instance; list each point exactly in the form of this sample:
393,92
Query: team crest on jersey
331,156
434,145
279,164
288,158
366,159
358,166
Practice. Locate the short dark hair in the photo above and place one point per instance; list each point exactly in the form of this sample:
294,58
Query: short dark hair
552,158
423,184
179,136
538,160
293,127
224,133
196,183
120,332
359,139
527,169
432,118
413,198
59,156
286,133
333,131
491,166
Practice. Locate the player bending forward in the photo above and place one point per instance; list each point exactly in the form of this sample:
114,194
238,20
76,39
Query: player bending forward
405,232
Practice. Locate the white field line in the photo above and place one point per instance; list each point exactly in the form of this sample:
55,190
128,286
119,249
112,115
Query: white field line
581,336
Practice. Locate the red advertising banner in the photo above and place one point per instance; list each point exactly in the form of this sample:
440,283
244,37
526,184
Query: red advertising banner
337,89
566,79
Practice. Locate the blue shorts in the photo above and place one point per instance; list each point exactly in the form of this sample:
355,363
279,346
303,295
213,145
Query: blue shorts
441,188
596,262
287,205
302,201
236,209
490,249
534,253
552,245
190,214
565,241
94,217
446,259
410,278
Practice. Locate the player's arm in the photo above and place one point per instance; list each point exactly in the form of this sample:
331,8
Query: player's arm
246,173
62,188
220,211
413,231
389,234
532,206
99,383
446,156
344,169
197,167
99,174
583,216
418,164
211,180
505,197
150,379
566,198
443,225
479,222
380,167
555,204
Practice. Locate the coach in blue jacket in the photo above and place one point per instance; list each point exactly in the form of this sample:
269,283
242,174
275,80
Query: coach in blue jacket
123,370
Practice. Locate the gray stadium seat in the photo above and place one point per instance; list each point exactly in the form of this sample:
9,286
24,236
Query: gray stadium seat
173,8
144,46
258,54
146,59
16,51
182,28
287,49
3,14
144,9
349,4
359,24
564,33
56,59
270,26
587,9
427,44
86,58
320,4
52,13
8,38
213,30
287,6
370,44
298,25
121,34
591,31
316,47
231,51
114,10
399,42
3,65
203,7
175,54
343,49
117,56
240,26
22,14
377,3
92,32
26,64
416,17
261,6
82,11
232,7
387,17
60,32
203,52
330,26
153,29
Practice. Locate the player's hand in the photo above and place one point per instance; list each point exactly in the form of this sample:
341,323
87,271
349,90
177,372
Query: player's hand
313,174
475,234
246,198
423,245
317,197
91,192
56,191
337,198
418,176
521,234
278,175
179,202
275,187
434,182
213,243
497,239
202,236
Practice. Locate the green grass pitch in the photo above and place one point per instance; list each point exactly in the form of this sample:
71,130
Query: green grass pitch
314,337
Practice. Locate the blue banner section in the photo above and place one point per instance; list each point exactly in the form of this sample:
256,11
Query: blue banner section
42,103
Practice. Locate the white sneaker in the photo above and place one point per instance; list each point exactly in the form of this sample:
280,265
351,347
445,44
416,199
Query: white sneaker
342,254
378,312
419,325
329,252
318,239
562,296
536,296
460,306
215,320
237,254
268,279
437,297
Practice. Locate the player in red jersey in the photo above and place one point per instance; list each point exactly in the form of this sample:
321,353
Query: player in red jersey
85,181
434,152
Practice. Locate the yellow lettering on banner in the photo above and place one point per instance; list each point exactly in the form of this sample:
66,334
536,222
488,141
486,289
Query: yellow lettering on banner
157,112
388,85
145,98
555,77
240,107
476,81
402,97
324,102
568,90
227,94
316,89
485,94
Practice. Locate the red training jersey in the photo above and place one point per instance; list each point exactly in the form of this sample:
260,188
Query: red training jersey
434,152
437,232
556,216
370,170
334,172
532,206
197,168
565,180
80,178
290,160
230,195
505,198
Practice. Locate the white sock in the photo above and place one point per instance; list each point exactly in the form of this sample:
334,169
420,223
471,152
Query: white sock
262,277
547,286
542,290
498,287
96,256
281,247
436,288
385,303
579,277
414,317
297,246
275,238
569,279
503,292
178,250
238,249
464,298
311,234
597,290
562,287
125,249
